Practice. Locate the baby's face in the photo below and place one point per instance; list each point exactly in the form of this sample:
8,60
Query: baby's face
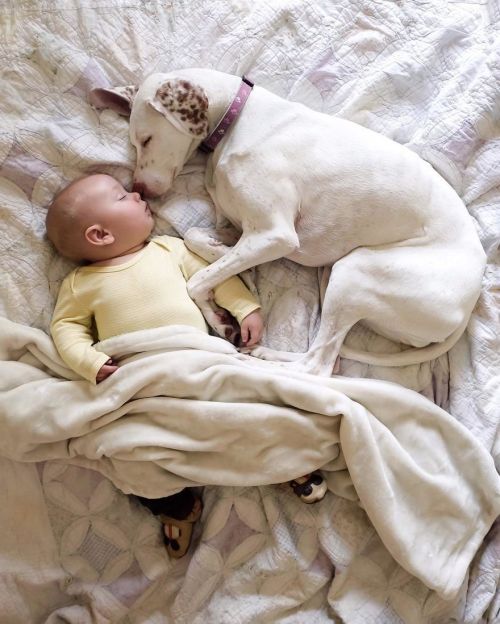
107,203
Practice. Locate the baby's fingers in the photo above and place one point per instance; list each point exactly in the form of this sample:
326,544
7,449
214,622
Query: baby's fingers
256,330
105,371
244,333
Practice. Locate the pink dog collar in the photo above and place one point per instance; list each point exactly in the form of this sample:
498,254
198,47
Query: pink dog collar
232,113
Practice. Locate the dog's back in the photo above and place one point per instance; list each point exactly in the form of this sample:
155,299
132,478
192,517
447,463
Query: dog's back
351,187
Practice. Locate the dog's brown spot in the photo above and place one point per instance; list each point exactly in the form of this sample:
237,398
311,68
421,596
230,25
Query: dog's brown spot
128,92
188,101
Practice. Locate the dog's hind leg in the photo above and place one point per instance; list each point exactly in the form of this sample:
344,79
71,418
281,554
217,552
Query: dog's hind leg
341,309
407,293
412,294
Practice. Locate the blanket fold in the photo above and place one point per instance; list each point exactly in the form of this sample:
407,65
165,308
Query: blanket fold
187,409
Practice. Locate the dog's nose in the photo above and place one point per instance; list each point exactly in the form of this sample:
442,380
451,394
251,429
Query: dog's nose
139,187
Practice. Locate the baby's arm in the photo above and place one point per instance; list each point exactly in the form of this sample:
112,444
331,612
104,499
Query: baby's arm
231,295
71,330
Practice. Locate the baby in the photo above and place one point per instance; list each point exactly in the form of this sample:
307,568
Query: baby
126,284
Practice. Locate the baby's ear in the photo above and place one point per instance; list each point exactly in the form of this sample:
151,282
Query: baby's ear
99,236
119,99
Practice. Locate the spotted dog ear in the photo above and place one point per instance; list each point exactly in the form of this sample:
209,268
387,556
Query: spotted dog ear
185,105
119,99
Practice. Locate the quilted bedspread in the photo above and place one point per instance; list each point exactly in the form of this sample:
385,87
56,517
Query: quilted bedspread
73,547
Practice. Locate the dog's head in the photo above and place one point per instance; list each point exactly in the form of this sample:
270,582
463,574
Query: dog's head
168,119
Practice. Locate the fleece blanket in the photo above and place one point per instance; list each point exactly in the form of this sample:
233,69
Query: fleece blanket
187,409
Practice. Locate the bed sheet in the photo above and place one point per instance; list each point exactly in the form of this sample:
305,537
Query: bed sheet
74,548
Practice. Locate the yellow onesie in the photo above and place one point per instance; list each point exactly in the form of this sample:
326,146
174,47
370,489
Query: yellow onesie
97,302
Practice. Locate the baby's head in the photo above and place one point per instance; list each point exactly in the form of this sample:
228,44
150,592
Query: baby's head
95,218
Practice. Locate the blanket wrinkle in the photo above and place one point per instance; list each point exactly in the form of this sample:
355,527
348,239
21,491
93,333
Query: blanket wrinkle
187,409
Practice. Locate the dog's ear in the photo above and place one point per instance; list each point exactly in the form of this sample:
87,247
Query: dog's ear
185,105
119,99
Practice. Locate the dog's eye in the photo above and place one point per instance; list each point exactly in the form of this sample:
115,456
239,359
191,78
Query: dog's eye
146,141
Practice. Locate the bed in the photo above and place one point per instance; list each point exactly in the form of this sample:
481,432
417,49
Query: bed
73,547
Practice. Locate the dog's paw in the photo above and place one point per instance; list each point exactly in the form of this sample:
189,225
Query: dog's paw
265,353
304,365
225,325
296,362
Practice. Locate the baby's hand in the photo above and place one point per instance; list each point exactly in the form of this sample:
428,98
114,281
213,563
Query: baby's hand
252,327
106,370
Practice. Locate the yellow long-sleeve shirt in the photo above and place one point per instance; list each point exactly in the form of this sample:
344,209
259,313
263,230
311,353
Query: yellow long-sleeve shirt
98,302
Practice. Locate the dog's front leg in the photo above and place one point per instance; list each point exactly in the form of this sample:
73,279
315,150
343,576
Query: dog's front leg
248,252
210,243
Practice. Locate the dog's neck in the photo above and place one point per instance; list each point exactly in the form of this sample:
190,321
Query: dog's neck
220,99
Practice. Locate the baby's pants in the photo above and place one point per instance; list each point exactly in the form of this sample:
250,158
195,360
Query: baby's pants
177,506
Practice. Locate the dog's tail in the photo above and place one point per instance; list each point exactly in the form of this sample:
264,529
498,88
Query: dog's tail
410,356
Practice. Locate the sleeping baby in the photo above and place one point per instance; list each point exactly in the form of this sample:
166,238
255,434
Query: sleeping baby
126,283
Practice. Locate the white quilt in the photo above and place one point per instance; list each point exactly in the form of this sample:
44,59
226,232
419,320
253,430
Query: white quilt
73,548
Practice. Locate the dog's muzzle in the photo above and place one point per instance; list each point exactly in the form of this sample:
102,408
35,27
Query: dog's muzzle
139,187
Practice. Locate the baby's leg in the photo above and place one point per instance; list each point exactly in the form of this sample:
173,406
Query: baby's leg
310,488
178,514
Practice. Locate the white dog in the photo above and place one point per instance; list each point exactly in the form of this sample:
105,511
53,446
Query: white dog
317,190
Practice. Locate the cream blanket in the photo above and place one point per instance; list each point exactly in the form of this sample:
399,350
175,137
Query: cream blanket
186,409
